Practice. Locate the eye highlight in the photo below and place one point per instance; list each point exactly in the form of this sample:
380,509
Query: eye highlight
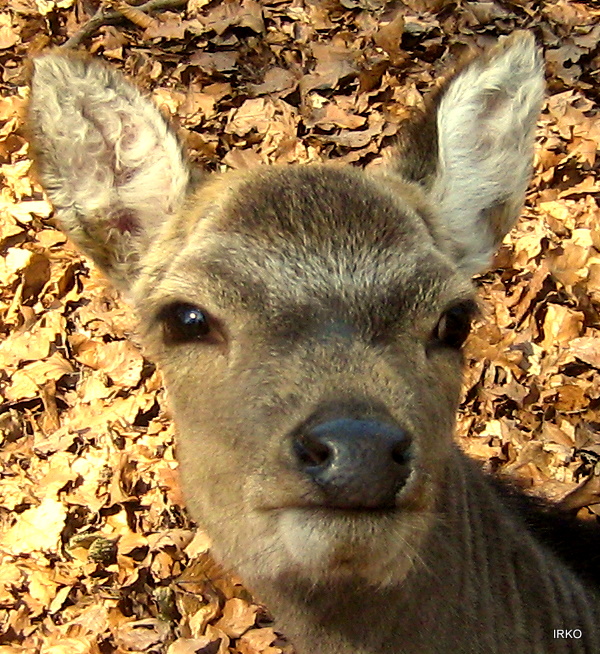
454,325
183,323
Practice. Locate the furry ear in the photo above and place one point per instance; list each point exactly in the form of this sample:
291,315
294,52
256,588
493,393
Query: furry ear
473,149
110,163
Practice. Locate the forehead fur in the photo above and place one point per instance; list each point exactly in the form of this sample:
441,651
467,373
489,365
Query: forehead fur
325,207
281,239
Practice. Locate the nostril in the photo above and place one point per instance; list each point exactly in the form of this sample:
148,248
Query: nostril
400,451
310,451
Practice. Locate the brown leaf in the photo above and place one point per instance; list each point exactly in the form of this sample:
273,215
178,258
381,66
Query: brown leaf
586,349
331,115
36,529
588,492
141,635
561,325
189,645
238,617
277,80
245,14
389,36
256,641
334,63
120,360
253,114
8,34
211,62
239,159
26,382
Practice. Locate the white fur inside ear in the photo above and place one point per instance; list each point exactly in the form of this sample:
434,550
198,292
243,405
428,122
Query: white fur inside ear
486,121
103,149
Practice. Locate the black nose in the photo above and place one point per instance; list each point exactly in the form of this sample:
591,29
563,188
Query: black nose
358,464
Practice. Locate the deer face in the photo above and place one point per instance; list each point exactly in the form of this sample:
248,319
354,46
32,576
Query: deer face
309,328
308,320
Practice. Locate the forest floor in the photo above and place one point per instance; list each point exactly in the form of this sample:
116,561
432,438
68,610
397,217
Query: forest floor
97,553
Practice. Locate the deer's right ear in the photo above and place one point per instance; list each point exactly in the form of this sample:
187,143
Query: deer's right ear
109,161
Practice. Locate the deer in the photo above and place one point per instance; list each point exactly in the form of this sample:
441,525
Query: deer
308,321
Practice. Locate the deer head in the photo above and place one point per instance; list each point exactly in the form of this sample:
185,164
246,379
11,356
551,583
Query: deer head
308,320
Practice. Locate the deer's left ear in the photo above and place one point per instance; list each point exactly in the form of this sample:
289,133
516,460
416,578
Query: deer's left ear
476,147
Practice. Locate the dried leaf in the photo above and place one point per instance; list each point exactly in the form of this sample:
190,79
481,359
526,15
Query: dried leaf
36,529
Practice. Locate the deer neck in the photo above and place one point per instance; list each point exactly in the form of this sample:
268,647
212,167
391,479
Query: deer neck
482,584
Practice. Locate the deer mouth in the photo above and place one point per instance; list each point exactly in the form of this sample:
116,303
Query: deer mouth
414,496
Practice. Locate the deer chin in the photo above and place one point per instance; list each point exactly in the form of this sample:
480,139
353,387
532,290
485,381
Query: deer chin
377,547
318,543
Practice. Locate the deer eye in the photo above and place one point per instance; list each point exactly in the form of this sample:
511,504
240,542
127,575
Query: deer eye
454,325
184,322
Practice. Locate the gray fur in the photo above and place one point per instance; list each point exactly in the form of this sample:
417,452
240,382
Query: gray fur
325,286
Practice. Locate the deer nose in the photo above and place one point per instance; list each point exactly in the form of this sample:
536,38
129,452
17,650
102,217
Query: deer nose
357,464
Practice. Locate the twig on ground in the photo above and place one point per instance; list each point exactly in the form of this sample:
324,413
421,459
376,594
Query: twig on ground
110,17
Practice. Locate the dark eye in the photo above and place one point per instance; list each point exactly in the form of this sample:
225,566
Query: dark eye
454,325
184,322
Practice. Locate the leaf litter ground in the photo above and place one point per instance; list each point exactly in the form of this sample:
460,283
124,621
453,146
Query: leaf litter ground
97,553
